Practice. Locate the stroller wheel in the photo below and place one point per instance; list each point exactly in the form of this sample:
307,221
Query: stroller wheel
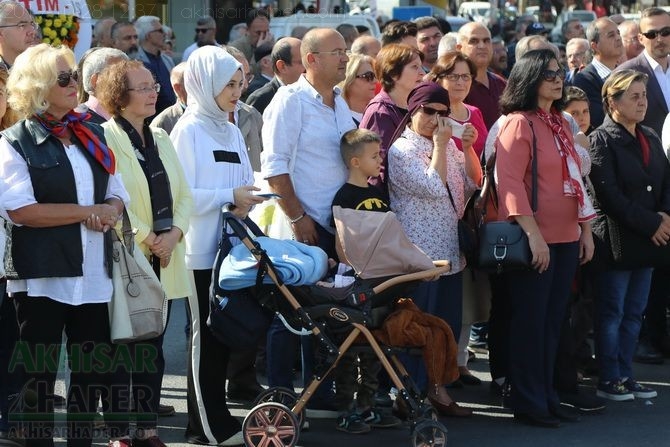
270,424
429,434
283,396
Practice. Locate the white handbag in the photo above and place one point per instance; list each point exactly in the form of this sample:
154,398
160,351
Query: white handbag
138,308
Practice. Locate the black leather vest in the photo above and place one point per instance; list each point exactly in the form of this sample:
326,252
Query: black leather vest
53,251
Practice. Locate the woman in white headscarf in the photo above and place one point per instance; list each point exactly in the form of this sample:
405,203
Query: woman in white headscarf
217,168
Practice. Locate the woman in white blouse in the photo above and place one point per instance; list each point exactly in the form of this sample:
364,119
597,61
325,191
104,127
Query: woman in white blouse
429,179
58,187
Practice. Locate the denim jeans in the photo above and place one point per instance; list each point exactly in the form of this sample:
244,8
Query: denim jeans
621,297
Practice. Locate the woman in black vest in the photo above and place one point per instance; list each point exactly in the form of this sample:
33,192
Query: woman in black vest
58,187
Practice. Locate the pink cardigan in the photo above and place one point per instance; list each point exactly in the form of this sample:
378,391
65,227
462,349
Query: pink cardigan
556,214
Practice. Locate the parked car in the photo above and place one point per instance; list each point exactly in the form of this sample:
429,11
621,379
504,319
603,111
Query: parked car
584,16
282,26
477,11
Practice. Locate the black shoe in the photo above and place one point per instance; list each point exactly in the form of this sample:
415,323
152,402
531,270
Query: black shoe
469,379
586,403
243,393
646,353
565,414
383,399
503,391
165,410
537,420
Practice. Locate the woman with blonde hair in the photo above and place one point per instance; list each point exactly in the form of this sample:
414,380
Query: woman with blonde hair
58,185
359,84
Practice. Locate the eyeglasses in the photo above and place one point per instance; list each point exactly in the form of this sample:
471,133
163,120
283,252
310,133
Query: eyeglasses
202,30
653,34
454,77
368,76
21,25
157,30
431,111
154,88
64,78
551,75
338,52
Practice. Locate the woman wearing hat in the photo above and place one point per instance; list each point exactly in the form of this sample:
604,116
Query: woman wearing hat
217,168
428,180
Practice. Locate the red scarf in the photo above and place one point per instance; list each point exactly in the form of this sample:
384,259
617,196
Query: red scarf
572,183
73,121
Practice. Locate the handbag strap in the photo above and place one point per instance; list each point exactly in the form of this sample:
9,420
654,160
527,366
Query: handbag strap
127,232
451,198
533,192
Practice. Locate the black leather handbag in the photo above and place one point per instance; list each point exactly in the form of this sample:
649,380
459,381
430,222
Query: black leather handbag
503,245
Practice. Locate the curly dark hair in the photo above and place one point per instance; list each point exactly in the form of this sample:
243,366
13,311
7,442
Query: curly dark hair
113,84
524,81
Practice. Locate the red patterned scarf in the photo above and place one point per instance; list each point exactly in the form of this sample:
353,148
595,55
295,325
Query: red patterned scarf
573,184
73,121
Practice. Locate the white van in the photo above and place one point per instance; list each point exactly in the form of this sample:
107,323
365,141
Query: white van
477,11
282,26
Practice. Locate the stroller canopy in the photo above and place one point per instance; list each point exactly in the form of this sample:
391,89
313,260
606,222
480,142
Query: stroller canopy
375,244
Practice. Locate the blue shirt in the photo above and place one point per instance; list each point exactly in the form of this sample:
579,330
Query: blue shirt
166,96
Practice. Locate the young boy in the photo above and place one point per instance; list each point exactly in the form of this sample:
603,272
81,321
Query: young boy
360,152
577,105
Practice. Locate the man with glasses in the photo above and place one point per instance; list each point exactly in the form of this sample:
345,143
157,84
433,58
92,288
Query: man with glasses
607,47
630,31
653,61
301,161
205,34
17,31
152,36
576,51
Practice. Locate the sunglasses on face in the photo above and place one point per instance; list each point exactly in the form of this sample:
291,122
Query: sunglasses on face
368,76
202,30
64,78
551,75
653,34
431,111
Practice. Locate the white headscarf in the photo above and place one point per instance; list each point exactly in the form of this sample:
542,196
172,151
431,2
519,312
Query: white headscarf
207,72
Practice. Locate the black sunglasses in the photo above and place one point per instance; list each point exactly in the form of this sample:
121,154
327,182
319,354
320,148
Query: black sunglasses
64,78
202,30
368,76
431,111
551,75
653,34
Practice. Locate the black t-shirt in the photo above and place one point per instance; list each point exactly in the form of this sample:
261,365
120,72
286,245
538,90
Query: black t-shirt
364,199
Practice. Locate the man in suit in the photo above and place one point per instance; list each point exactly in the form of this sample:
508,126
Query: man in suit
607,47
653,61
262,55
287,67
169,117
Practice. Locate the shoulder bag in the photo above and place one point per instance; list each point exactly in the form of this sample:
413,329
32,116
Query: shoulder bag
503,245
138,308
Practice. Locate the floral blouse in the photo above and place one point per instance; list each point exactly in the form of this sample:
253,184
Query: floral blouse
420,199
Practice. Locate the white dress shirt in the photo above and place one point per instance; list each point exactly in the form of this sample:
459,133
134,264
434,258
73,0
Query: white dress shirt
662,77
16,188
301,137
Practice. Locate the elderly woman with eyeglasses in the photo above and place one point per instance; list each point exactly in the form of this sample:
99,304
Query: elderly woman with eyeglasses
159,213
429,179
359,84
58,185
559,229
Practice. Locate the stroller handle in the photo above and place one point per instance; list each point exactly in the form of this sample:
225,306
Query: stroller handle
441,267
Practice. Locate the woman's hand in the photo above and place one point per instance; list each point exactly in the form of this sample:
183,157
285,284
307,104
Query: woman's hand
662,234
469,135
244,197
540,251
165,243
442,133
586,245
103,217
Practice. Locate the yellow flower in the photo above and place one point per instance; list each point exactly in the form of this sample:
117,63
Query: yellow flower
58,23
62,16
63,32
46,40
46,31
38,20
56,42
48,23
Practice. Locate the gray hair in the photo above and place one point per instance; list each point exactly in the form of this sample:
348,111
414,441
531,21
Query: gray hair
96,62
532,42
144,25
448,43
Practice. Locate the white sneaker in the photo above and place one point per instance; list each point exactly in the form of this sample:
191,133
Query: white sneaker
236,439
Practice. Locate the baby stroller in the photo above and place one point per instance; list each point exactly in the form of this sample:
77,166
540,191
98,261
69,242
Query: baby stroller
342,316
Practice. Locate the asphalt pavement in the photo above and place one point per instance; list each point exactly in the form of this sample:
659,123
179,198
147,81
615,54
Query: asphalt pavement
627,424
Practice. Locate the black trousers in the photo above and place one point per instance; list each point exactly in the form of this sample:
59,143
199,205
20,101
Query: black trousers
499,326
10,381
209,420
655,325
92,364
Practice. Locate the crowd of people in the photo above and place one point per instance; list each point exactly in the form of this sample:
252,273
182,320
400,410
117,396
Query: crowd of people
326,117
